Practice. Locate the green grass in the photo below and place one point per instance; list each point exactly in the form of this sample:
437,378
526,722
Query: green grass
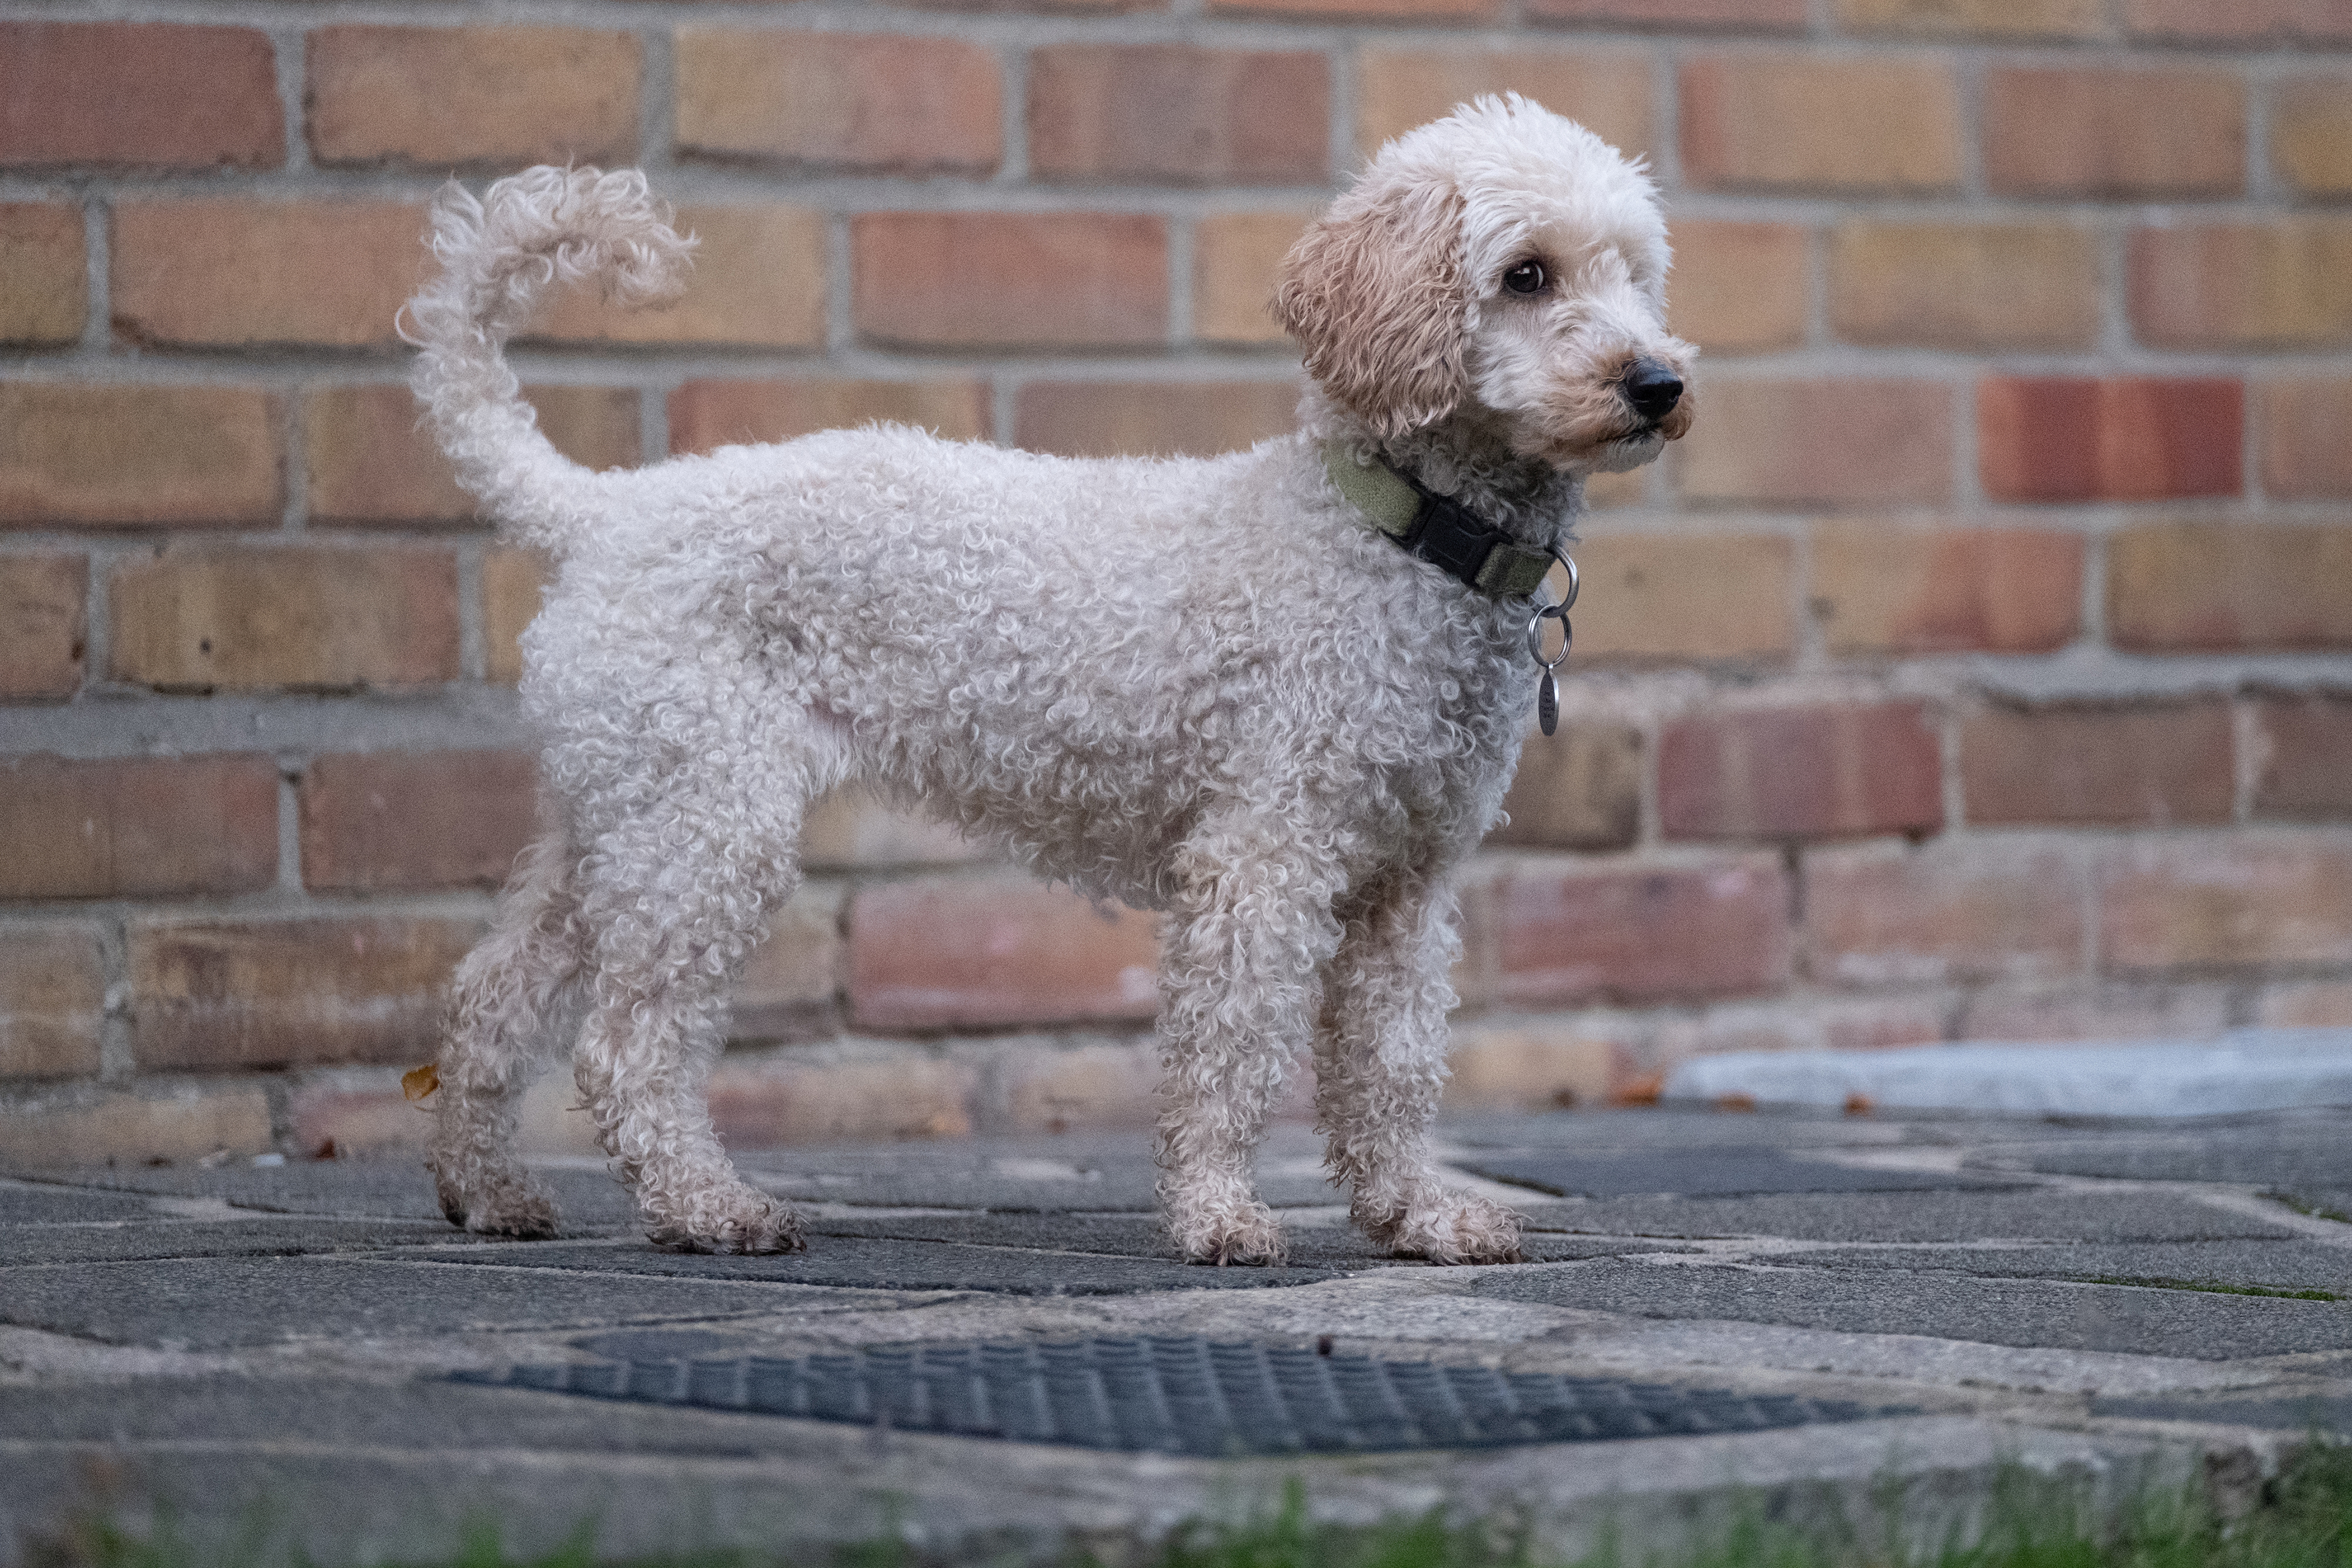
2303,1206
2304,1519
2218,1287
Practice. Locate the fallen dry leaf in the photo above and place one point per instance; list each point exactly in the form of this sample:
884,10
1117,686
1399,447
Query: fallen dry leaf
419,1083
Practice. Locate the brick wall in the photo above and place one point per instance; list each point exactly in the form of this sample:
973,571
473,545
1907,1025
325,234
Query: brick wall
1981,665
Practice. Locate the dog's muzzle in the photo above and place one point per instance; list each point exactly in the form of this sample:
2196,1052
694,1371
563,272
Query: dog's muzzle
1653,389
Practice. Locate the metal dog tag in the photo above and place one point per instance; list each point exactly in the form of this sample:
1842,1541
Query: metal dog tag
1547,704
1548,689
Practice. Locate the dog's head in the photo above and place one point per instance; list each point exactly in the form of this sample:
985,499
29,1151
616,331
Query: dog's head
1503,257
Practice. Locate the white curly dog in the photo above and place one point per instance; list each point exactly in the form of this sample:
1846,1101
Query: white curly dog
1252,690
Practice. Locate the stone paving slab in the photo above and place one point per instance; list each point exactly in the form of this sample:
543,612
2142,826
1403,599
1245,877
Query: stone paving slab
2252,1266
26,1202
588,1199
1323,1247
1732,1171
2129,1216
131,1241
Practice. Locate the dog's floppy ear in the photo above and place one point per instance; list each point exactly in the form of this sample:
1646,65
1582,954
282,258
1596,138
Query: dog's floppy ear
1374,293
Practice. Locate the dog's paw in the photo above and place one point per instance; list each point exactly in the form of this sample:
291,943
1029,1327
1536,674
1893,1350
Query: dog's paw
509,1205
1450,1226
1246,1233
736,1219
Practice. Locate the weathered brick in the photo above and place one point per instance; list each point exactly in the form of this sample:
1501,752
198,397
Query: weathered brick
788,987
1800,772
52,1001
961,954
973,280
1607,91
1957,910
2144,764
1547,1066
1108,419
850,101
1965,286
705,415
1819,443
1579,789
44,282
2093,1010
139,95
758,282
146,1125
1369,10
1174,112
215,993
2316,1003
511,580
2303,422
890,1092
2303,751
1738,287
1881,588
849,829
1716,15
2140,133
234,274
1563,935
2173,586
1234,258
2246,900
2311,135
42,623
2243,285
1068,1088
1989,18
435,96
2241,21
371,464
2123,438
387,820
137,827
84,456
1680,596
299,616
1788,122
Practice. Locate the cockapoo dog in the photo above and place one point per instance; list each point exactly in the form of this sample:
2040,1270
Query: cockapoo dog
1252,690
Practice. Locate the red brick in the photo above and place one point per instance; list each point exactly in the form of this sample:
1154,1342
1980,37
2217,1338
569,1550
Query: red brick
43,279
2177,586
137,827
884,1093
1965,286
1235,256
1607,91
850,829
1369,10
1957,910
2131,133
371,464
758,282
82,455
236,274
1882,589
1990,18
2126,438
2303,749
391,820
1111,419
1716,15
1791,122
2305,454
209,994
52,1001
2240,901
1579,789
149,1124
2243,285
1176,113
285,616
864,101
1551,1066
1739,285
42,623
511,579
2311,135
705,415
974,280
139,95
1829,442
1685,597
964,954
2095,1010
2153,765
2317,1003
435,96
1060,1088
1564,937
790,987
2241,21
1804,772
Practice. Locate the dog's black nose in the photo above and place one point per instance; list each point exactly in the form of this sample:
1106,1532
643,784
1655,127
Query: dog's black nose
1653,389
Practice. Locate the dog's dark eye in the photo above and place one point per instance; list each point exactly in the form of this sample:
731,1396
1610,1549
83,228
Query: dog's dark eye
1528,278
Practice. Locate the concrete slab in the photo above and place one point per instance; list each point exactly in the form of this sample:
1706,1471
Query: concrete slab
2288,1155
1339,1246
588,1199
2249,1266
1732,1171
1917,1217
31,1203
128,1241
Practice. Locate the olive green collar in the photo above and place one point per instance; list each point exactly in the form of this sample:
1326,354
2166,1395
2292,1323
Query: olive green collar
1436,528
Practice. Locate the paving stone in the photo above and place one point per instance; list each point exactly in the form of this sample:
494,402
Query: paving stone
29,1203
2193,1324
2302,1152
2305,1413
132,1240
1701,1173
589,1200
218,1303
2265,1265
1912,1217
1106,1179
1675,1128
1316,1247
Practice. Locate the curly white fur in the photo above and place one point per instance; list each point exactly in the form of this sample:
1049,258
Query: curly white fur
1203,686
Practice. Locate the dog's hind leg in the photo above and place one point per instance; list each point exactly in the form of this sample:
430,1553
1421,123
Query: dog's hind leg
1379,1066
1251,929
513,997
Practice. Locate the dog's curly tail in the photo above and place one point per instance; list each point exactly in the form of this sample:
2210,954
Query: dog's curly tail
498,255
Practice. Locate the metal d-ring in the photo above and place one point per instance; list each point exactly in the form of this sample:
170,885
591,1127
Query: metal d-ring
1535,634
1575,583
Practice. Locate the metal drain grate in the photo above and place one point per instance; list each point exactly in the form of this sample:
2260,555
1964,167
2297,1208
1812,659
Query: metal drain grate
1182,1396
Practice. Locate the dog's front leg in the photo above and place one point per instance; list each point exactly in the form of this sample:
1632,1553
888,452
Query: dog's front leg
1379,1066
1250,933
